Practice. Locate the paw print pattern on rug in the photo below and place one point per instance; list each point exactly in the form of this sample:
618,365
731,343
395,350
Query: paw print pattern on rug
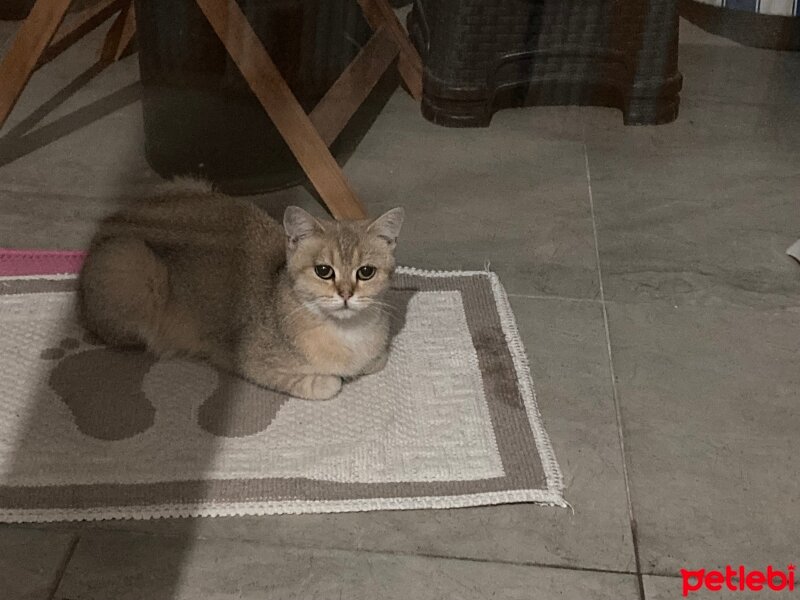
237,408
102,387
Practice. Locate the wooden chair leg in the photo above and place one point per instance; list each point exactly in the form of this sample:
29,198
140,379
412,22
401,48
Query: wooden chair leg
260,72
80,25
32,39
348,93
379,13
120,35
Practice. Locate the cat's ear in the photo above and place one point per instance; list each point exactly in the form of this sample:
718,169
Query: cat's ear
388,225
299,225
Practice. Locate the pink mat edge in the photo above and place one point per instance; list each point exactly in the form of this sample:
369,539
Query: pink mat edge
20,262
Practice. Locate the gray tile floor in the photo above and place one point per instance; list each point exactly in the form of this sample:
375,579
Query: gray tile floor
648,275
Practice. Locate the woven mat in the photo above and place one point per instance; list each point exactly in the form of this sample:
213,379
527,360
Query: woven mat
90,432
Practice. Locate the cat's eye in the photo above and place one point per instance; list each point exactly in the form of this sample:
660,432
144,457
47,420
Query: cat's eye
324,271
366,272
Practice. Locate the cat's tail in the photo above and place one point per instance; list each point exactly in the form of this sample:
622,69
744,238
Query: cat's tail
180,211
185,185
124,291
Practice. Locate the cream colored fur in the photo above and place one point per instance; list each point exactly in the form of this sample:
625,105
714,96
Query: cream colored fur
193,272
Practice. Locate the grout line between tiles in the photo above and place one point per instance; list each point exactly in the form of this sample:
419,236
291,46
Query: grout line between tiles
614,391
62,568
665,575
100,531
512,563
539,565
545,297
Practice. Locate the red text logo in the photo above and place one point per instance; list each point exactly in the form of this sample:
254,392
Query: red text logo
738,580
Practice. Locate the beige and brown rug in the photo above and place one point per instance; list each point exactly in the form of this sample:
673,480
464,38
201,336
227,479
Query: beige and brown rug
89,432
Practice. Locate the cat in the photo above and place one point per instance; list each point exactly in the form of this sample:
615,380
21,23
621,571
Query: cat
193,272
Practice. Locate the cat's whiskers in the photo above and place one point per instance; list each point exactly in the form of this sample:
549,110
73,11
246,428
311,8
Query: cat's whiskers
384,307
296,313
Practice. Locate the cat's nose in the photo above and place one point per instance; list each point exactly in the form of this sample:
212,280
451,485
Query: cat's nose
346,295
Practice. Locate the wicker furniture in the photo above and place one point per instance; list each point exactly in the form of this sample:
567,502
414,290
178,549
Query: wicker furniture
484,55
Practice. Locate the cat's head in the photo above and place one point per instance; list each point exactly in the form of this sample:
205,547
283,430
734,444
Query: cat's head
340,268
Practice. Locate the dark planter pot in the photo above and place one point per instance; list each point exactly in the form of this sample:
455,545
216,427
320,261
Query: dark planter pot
13,10
200,116
16,10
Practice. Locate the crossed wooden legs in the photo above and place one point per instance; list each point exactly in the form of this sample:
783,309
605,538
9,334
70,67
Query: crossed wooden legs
308,136
36,42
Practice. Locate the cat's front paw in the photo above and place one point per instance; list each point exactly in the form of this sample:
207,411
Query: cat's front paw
318,387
